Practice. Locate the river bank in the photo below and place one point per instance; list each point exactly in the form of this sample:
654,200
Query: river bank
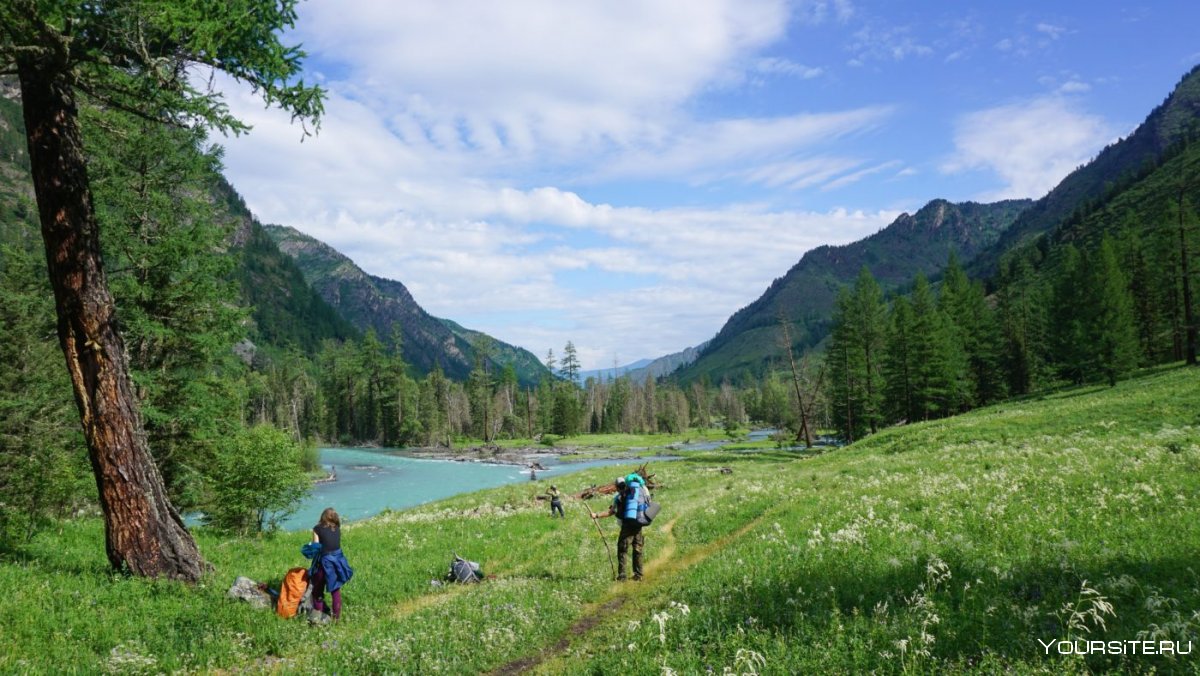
535,457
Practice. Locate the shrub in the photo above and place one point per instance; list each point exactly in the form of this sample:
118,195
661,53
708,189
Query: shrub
256,481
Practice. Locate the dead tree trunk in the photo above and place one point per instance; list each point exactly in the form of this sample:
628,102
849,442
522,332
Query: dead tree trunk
805,431
143,532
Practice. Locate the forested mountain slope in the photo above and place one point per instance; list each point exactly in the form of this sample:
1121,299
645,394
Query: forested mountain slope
528,368
1120,163
287,312
667,364
916,243
371,302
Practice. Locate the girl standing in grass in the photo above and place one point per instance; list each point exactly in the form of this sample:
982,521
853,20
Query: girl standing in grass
555,502
330,569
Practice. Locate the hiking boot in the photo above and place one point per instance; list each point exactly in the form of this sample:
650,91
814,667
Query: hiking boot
637,578
621,578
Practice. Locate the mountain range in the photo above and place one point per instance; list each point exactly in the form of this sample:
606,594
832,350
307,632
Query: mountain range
980,235
301,291
805,295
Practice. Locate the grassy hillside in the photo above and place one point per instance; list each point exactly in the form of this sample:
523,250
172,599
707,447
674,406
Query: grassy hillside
948,546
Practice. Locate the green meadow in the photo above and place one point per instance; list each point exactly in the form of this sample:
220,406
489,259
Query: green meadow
959,545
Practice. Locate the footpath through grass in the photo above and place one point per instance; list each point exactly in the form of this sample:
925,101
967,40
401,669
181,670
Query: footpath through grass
960,545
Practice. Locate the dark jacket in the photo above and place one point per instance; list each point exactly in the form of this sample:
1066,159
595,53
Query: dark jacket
336,568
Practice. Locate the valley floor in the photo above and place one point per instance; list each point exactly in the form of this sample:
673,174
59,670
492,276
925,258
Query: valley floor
971,544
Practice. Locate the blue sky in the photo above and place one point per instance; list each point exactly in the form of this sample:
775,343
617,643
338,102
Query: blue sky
627,174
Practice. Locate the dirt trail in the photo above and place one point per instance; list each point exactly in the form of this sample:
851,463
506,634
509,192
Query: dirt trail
417,603
621,592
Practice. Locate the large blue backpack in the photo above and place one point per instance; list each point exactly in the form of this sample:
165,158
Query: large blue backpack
635,499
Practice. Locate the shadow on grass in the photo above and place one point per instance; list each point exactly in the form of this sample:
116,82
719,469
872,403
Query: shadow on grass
50,563
1001,618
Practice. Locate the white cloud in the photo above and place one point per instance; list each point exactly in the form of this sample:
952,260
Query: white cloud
1031,146
817,12
886,43
534,75
777,66
1050,30
715,146
451,129
798,174
846,180
502,258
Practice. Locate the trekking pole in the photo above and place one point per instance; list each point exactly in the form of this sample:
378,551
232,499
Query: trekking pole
603,539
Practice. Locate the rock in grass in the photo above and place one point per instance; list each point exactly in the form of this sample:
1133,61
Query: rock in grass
247,590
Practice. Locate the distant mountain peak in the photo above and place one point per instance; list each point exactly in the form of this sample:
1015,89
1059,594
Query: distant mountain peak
912,243
370,302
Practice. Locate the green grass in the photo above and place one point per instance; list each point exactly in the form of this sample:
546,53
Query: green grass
947,546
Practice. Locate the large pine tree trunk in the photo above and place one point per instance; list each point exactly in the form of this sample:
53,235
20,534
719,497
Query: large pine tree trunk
144,533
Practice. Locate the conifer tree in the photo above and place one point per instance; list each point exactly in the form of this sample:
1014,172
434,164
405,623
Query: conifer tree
1113,333
171,279
869,333
845,372
1021,315
136,56
935,355
1069,336
899,369
976,333
569,368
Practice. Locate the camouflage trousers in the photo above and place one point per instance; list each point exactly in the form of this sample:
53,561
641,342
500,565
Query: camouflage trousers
631,537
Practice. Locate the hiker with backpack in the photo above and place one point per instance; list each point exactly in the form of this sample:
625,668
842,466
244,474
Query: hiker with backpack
555,502
630,500
330,570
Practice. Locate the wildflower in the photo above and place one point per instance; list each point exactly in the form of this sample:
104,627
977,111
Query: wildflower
661,619
681,607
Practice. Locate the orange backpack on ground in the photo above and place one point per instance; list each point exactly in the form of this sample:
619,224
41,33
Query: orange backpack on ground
291,592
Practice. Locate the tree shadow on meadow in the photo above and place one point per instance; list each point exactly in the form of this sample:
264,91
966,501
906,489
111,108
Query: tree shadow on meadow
44,553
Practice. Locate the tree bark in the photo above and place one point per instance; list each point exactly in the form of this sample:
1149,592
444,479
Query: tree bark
144,534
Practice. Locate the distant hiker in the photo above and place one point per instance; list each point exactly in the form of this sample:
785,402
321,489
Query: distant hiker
555,502
631,498
532,473
330,570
